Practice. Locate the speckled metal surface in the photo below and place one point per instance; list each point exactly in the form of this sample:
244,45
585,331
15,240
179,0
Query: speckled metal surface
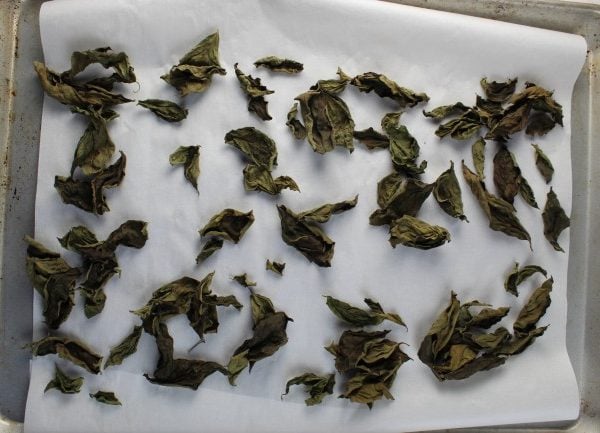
20,115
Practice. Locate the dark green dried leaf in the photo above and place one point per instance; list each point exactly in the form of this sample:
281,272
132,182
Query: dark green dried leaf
210,247
372,139
386,88
106,397
555,220
327,121
88,193
297,128
507,174
442,111
195,70
257,178
68,349
521,341
358,317
278,64
534,308
446,191
413,232
318,387
488,317
255,92
543,163
334,85
461,128
323,213
276,267
491,341
166,110
53,279
478,153
258,148
518,275
64,383
229,224
95,147
189,157
125,348
490,112
527,193
261,307
244,280
403,146
499,91
119,62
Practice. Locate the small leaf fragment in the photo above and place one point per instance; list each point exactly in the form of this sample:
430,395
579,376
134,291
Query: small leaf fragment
318,387
278,64
499,91
335,85
189,157
297,128
372,139
244,280
478,153
255,92
211,246
274,266
543,164
555,220
518,275
64,383
106,397
166,110
413,232
229,224
125,348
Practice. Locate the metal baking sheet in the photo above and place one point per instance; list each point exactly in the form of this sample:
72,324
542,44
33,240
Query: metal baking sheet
20,114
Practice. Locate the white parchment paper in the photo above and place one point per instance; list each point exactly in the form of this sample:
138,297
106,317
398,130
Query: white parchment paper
442,54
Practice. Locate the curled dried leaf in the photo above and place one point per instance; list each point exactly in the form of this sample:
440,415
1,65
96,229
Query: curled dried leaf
244,280
229,224
555,220
518,275
95,147
71,350
413,232
543,164
442,111
166,110
386,88
64,383
211,246
189,157
297,128
106,397
318,387
359,317
499,91
372,139
404,148
125,348
534,308
274,266
278,64
105,56
255,92
446,191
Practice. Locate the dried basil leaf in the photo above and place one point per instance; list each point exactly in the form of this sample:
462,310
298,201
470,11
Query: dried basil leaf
358,317
255,92
507,174
88,194
518,343
106,397
534,308
194,72
403,146
372,139
68,349
446,191
555,220
119,62
189,157
327,121
318,387
53,279
269,335
244,280
125,348
229,224
518,275
276,267
478,153
386,88
257,178
500,213
442,111
527,193
499,91
95,147
64,383
333,85
302,230
543,164
78,95
297,128
210,247
413,232
187,373
277,64
166,110
461,128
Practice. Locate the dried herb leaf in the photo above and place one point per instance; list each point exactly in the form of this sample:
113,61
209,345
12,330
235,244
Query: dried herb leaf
446,191
327,121
403,146
302,230
187,373
88,193
527,193
478,153
53,279
68,349
555,220
95,147
318,387
210,247
277,64
257,178
507,174
372,139
195,70
166,110
189,157
333,85
386,88
229,224
64,383
119,62
442,111
413,232
106,397
519,342
461,128
518,275
534,308
269,335
276,267
500,213
358,317
125,348
499,91
297,128
244,280
255,92
543,164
